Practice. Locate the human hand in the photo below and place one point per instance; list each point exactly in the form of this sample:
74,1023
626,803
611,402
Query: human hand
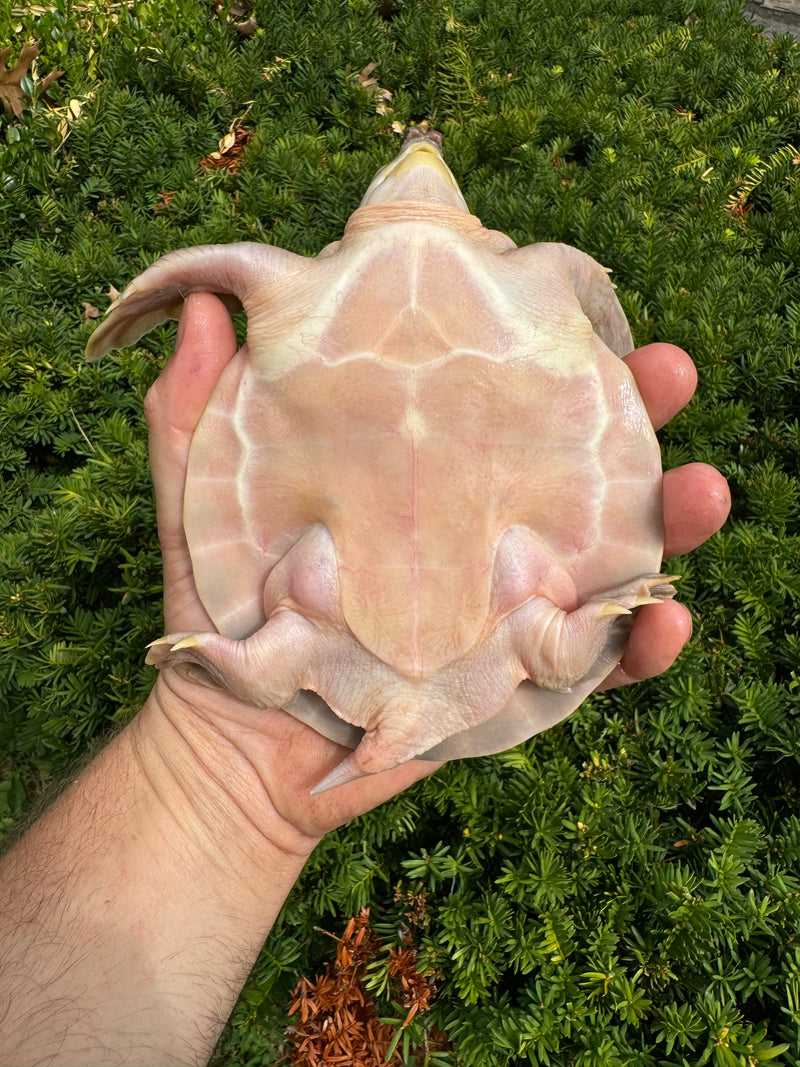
288,758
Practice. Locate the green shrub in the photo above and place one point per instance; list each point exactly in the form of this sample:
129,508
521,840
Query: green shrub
622,890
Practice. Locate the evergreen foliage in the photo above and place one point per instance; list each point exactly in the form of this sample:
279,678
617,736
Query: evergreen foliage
622,891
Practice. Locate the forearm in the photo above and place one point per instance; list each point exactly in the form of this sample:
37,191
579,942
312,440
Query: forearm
134,909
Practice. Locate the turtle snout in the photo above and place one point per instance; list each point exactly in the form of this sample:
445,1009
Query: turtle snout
417,133
418,174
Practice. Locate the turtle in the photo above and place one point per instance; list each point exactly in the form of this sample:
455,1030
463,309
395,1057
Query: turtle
424,499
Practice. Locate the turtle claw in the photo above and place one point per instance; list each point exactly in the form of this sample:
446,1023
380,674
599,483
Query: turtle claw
264,669
613,609
160,650
649,589
167,639
190,641
195,649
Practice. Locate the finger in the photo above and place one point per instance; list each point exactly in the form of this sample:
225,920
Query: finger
658,635
293,758
697,501
696,504
206,343
666,378
174,404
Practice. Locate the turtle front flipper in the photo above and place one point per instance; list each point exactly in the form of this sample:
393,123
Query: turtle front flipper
548,265
242,274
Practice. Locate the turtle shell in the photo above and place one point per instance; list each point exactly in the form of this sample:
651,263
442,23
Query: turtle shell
425,495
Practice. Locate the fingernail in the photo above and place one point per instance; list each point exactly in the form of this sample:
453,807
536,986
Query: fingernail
181,325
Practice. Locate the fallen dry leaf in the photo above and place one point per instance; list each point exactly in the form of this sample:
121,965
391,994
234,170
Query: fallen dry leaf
69,114
231,151
236,9
338,1019
46,82
89,311
227,143
738,207
364,76
246,28
12,94
371,86
165,200
240,13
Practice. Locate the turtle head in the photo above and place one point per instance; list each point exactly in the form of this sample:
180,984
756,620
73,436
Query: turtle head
418,173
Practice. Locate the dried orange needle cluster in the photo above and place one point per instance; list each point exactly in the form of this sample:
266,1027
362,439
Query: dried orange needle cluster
417,990
339,1022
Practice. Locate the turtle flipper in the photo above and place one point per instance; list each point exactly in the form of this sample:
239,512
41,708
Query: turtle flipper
587,281
605,625
266,672
239,273
558,648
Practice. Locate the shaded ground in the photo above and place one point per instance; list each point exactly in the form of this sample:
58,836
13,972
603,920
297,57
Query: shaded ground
776,16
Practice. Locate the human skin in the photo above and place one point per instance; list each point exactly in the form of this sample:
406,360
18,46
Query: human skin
135,907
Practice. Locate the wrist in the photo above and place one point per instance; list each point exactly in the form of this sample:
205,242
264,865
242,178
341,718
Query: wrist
198,748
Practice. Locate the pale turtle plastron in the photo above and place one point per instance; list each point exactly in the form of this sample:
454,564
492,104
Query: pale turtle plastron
425,496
